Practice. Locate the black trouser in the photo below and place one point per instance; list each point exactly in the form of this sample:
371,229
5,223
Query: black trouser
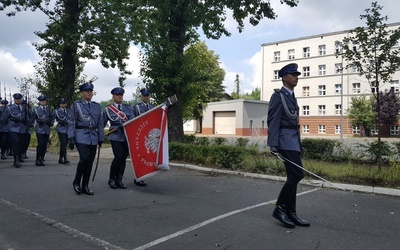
4,142
17,144
87,153
26,142
121,151
63,145
41,148
294,175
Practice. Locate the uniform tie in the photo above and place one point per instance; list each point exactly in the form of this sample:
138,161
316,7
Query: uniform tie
119,106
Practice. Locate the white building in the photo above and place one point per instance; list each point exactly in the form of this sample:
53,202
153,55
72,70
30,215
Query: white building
323,91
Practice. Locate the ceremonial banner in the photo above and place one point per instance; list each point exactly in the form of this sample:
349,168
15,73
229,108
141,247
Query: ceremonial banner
147,137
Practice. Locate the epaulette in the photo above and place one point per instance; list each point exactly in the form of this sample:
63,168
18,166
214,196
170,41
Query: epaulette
277,90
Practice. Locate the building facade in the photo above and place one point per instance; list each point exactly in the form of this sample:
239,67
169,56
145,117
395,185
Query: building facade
324,90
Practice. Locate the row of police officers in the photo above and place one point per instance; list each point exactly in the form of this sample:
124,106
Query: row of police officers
81,126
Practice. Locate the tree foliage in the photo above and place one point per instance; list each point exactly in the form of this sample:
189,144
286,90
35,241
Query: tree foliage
361,112
77,31
166,28
390,107
206,83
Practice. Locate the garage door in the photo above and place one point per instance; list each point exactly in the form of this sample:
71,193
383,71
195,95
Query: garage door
225,123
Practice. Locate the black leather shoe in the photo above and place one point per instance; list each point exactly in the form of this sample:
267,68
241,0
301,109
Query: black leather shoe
296,220
3,157
120,184
281,215
17,164
37,163
42,163
140,183
60,161
21,159
66,161
112,184
77,187
87,191
25,156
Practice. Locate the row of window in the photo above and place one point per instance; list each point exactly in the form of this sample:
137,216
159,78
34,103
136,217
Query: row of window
321,110
394,130
321,70
306,52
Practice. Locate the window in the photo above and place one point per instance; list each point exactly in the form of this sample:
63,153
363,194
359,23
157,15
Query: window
394,84
321,70
277,56
338,109
321,90
394,130
338,129
291,54
338,89
322,50
374,130
306,129
355,69
338,47
321,110
276,74
321,129
306,91
338,68
356,130
306,110
306,71
356,88
306,52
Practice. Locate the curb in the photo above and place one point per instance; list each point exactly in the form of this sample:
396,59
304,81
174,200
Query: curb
315,183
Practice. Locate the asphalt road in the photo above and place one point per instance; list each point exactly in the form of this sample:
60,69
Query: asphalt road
181,209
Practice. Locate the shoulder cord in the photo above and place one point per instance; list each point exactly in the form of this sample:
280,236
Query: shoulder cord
285,107
81,113
138,109
42,118
61,119
11,114
108,115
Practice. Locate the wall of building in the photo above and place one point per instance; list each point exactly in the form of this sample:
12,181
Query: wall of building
351,84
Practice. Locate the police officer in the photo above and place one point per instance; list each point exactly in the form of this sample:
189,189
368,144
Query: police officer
141,108
86,131
60,115
3,129
28,131
44,119
284,138
145,104
117,114
17,116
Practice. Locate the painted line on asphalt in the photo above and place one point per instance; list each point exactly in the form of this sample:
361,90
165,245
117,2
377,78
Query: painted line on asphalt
62,227
212,220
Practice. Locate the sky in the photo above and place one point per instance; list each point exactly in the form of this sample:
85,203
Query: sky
239,54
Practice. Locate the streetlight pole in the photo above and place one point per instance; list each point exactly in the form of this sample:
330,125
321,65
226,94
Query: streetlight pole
339,51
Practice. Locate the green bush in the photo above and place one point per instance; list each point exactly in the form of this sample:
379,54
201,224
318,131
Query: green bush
202,141
318,149
220,141
242,142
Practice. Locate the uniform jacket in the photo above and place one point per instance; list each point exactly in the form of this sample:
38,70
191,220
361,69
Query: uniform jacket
18,120
85,123
44,120
283,130
115,121
3,121
141,108
62,121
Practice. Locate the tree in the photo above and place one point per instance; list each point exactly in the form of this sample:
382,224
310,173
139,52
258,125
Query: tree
389,107
371,50
254,95
236,93
166,28
361,113
206,83
77,31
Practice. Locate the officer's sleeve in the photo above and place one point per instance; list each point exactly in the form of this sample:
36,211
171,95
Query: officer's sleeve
274,120
100,125
71,121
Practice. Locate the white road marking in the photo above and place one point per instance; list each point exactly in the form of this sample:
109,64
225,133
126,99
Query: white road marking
107,245
204,223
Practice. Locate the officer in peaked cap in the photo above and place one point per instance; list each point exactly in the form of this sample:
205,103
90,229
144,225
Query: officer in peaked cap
87,86
43,118
284,139
3,130
289,69
60,115
117,114
86,131
17,116
17,96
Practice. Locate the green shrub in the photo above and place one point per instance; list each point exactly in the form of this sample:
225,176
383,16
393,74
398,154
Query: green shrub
220,141
318,149
242,142
225,156
202,141
191,139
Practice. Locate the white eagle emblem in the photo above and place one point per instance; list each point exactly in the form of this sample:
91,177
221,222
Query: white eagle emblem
153,140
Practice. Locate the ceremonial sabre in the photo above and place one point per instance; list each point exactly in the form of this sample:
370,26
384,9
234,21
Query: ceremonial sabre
97,163
283,159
